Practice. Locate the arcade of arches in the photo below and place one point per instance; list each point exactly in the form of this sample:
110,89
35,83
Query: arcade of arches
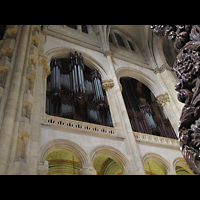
64,162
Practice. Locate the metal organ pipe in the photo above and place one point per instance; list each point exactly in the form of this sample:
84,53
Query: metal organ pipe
76,79
82,77
96,89
56,74
77,72
100,89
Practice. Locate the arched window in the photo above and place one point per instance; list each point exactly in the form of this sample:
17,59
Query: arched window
2,31
72,26
119,40
131,46
144,112
110,39
74,91
84,28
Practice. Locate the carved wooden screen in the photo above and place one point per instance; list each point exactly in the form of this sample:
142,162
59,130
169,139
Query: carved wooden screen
142,115
74,91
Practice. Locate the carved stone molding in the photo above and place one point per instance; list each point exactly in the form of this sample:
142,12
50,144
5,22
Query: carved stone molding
107,84
42,61
107,53
187,70
163,99
162,69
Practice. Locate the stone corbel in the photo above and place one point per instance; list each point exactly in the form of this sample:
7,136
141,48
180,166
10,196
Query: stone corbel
107,84
42,61
163,99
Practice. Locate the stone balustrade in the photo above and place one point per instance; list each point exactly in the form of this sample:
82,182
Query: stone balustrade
152,139
80,126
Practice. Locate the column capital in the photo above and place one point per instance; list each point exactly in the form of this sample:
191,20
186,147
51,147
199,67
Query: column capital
162,99
107,84
87,171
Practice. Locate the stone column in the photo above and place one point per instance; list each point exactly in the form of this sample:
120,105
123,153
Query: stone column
108,87
43,70
124,121
12,101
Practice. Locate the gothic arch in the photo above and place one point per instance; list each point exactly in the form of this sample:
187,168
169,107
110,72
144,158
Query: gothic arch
62,144
115,154
160,55
142,77
63,52
163,164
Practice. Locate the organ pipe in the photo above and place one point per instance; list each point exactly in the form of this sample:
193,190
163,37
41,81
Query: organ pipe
56,66
77,67
70,83
150,120
97,85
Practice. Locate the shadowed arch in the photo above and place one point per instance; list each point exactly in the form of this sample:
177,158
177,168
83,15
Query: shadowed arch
142,77
115,154
63,52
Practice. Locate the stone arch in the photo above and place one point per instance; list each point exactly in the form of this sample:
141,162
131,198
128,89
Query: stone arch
160,55
63,52
115,154
142,77
60,144
163,164
180,161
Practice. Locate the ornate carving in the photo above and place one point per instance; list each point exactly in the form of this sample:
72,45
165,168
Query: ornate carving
42,61
187,70
163,99
107,84
178,33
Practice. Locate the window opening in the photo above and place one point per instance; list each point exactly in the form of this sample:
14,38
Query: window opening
119,40
84,28
73,26
2,31
75,91
131,46
110,39
139,105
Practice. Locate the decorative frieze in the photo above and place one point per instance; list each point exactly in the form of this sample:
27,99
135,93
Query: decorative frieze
156,140
80,126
